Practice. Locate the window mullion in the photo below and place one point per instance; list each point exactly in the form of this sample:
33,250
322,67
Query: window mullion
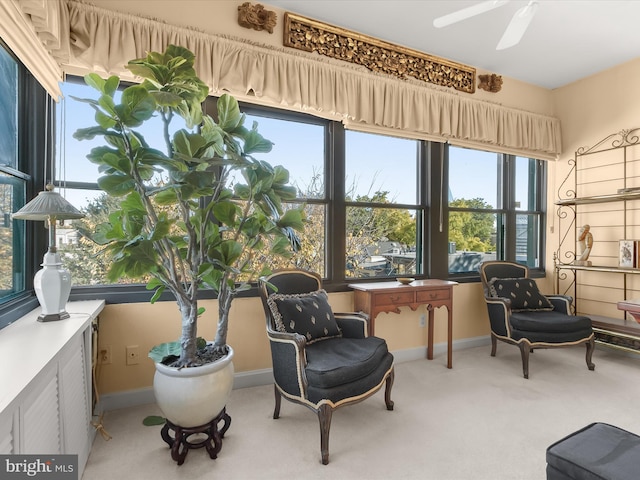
508,203
336,193
435,247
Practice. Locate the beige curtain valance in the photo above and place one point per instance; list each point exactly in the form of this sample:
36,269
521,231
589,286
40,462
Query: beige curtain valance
103,41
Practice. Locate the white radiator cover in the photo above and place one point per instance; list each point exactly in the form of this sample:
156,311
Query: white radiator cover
46,395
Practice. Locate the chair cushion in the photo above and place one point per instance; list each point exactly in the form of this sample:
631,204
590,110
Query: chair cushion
549,322
523,293
308,314
340,361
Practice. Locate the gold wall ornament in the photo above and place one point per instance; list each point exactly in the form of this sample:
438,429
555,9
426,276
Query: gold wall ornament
490,83
256,17
376,55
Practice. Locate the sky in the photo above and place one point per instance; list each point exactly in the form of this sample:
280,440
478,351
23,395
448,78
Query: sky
374,162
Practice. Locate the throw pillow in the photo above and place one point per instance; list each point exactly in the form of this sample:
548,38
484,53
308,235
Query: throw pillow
308,314
523,293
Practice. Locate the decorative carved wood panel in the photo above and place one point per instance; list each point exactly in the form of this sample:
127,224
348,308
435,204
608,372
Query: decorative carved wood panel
376,55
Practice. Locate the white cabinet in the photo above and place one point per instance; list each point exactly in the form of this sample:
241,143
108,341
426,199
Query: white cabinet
45,400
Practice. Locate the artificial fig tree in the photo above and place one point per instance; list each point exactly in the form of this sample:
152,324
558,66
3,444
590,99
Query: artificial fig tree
196,206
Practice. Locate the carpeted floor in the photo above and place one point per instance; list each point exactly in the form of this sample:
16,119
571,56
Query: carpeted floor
480,420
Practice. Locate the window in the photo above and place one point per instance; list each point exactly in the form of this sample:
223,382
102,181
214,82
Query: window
299,146
377,206
12,183
495,209
382,206
20,145
77,180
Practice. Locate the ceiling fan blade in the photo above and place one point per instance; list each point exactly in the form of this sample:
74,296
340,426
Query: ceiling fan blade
468,12
518,25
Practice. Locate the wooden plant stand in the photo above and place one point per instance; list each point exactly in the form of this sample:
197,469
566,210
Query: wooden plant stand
209,436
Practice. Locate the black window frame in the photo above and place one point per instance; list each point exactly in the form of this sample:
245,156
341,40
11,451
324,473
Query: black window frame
432,158
508,210
34,127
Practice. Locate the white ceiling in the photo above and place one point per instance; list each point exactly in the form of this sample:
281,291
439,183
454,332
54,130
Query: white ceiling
567,39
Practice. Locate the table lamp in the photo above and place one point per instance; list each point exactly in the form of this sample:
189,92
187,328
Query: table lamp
52,283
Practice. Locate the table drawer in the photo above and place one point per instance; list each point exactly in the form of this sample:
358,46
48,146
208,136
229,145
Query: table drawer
426,296
399,298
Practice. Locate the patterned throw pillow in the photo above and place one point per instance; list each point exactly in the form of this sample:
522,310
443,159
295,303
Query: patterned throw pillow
523,293
308,314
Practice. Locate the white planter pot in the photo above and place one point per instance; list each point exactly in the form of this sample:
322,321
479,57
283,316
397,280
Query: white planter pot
190,397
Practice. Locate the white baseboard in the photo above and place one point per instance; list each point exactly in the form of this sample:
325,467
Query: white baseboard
254,378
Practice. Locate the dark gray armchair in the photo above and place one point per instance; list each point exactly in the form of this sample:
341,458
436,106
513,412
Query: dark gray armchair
322,360
520,315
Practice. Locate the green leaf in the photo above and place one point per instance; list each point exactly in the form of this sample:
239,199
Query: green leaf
225,212
95,81
256,143
293,218
227,252
133,204
229,116
104,120
116,185
89,133
164,350
156,295
140,70
140,106
166,197
153,420
137,259
111,85
166,99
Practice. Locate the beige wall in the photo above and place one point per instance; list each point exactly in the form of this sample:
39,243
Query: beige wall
589,110
146,325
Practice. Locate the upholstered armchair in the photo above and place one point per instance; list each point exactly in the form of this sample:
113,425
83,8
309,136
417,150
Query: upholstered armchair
322,360
520,315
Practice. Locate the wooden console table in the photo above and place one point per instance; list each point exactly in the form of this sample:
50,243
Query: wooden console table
388,297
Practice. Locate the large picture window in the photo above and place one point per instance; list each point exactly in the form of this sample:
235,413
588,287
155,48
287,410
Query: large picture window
495,209
368,200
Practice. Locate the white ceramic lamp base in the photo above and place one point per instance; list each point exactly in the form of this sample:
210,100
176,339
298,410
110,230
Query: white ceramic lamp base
52,285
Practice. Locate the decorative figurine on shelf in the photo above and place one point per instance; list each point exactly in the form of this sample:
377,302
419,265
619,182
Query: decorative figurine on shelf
585,242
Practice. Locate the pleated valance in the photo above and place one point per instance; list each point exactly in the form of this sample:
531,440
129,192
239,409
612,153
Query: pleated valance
103,41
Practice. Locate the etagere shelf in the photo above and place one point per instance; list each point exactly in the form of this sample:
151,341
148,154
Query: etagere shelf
601,189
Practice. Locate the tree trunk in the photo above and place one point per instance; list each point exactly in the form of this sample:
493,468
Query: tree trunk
225,297
189,312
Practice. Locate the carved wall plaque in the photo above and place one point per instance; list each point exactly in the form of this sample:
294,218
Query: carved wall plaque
256,17
376,55
490,83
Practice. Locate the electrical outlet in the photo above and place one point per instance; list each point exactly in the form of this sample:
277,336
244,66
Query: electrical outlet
105,355
133,355
423,320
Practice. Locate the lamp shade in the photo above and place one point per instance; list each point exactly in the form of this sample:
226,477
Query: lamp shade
48,204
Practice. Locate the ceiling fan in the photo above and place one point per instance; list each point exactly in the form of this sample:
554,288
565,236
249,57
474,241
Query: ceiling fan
515,30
